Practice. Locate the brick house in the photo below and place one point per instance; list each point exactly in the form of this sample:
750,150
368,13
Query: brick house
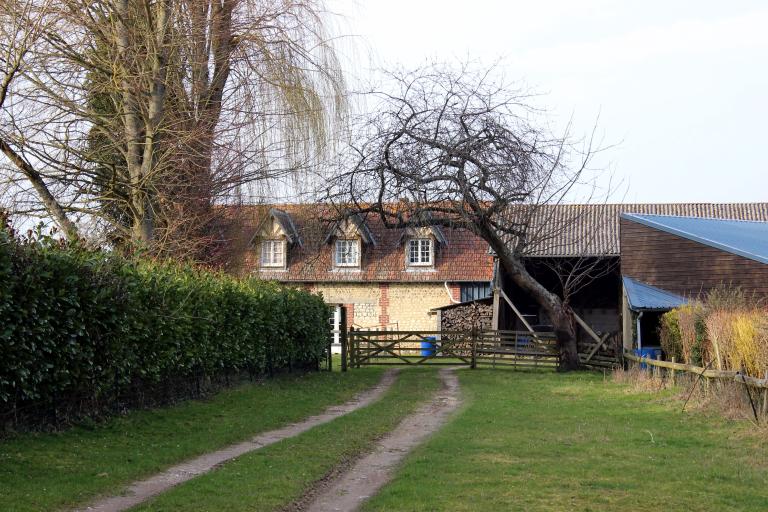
386,278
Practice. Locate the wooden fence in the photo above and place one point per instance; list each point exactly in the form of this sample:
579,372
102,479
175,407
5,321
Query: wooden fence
473,348
707,373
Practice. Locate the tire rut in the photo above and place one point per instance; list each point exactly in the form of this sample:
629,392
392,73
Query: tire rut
142,490
369,474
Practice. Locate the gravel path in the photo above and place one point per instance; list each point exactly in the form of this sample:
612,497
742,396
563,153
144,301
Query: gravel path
369,474
141,491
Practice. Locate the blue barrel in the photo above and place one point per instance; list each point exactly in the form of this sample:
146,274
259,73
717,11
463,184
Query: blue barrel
649,352
428,346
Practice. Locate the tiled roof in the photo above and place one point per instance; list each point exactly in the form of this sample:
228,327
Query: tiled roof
593,230
555,231
744,238
460,257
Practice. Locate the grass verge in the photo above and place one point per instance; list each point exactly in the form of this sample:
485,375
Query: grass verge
273,478
61,470
551,442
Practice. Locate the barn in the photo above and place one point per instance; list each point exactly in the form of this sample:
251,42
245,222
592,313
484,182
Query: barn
622,262
667,260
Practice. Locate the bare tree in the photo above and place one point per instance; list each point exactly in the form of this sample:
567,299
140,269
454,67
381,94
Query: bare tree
145,114
453,148
18,36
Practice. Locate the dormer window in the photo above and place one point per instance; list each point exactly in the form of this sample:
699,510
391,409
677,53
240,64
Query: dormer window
272,239
420,252
273,253
347,253
346,237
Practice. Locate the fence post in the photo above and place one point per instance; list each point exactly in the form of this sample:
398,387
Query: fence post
672,373
473,334
354,348
343,337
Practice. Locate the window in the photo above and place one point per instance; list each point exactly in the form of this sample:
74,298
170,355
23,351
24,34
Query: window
347,253
420,251
474,291
273,253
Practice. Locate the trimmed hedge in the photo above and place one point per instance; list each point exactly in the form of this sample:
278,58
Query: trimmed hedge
85,329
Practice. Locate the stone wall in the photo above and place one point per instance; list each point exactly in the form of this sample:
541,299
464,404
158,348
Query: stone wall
404,306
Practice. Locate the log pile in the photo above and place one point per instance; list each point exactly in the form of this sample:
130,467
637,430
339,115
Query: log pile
465,317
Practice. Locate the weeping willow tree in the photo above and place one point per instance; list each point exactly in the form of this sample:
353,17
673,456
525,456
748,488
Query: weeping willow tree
148,113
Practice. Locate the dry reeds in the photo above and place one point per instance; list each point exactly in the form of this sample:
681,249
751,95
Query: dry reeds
720,335
728,330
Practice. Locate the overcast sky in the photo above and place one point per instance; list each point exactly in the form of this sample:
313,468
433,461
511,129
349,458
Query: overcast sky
680,86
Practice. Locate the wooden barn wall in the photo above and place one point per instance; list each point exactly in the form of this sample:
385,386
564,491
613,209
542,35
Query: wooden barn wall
683,266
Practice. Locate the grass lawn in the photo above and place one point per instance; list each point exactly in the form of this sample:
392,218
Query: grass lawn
545,441
55,471
274,477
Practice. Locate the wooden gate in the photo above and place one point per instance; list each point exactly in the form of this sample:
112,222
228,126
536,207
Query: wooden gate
473,348
520,349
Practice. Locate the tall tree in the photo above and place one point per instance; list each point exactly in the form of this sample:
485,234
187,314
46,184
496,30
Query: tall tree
143,114
450,147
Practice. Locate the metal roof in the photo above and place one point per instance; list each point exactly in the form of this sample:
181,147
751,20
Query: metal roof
562,230
644,297
744,238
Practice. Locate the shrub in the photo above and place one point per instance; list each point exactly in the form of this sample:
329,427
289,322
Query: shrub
84,331
669,334
692,330
748,352
729,329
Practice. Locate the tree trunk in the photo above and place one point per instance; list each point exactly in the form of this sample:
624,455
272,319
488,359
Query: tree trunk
565,332
51,204
559,312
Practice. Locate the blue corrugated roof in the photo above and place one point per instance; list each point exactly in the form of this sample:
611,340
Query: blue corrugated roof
745,238
644,297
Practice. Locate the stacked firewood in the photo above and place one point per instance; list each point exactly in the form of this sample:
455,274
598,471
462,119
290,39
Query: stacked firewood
467,317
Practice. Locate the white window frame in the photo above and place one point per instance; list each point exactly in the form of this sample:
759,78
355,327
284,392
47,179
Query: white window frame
273,262
420,242
336,253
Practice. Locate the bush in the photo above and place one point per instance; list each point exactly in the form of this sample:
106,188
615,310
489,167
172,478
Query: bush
669,334
692,332
728,329
85,331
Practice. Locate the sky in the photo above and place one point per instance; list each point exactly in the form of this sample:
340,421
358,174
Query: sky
677,89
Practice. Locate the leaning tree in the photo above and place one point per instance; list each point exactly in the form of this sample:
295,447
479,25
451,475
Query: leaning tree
454,148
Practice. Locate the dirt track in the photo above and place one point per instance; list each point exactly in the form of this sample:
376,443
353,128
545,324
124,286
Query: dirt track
141,491
365,477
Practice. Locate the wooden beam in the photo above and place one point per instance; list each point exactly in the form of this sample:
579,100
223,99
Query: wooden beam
597,347
587,328
496,298
517,312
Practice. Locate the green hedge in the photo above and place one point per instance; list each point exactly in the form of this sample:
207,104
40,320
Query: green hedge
86,327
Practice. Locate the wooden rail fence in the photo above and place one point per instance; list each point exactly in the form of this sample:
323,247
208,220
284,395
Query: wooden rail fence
495,348
700,371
